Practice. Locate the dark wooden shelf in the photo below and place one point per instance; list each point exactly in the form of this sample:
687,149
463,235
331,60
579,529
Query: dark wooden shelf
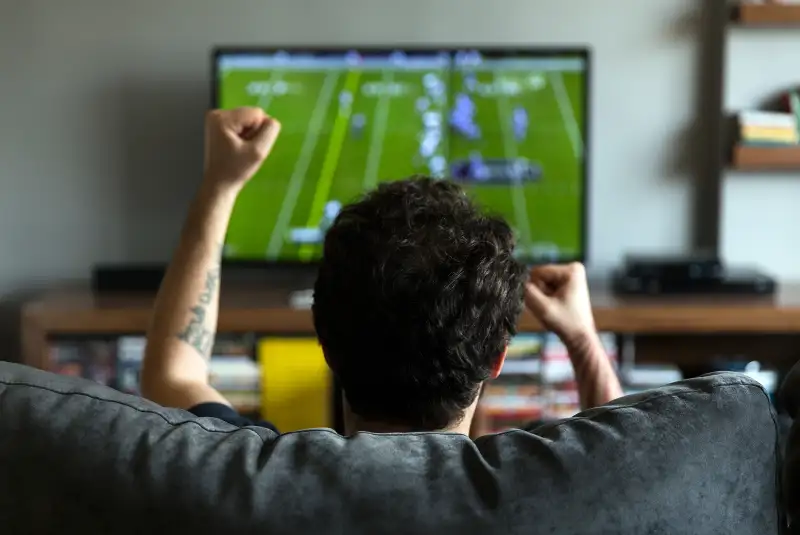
749,158
774,15
79,311
686,331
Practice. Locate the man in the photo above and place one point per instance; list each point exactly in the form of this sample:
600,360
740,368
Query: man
519,122
417,296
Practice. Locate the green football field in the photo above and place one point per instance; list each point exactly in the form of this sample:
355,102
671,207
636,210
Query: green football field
319,157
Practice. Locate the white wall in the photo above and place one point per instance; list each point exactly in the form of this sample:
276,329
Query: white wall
760,215
101,109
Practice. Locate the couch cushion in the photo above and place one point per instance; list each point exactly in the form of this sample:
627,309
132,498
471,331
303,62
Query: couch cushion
698,457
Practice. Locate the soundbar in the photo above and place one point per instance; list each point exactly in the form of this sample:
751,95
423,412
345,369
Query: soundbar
128,278
138,278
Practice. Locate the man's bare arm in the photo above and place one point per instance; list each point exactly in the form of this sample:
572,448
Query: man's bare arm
184,321
558,296
597,381
183,326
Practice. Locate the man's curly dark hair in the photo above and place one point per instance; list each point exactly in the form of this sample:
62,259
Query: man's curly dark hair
417,295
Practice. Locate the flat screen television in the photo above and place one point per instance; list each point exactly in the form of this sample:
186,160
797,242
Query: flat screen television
510,125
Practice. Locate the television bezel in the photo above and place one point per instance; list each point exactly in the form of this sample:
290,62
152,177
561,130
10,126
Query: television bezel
492,51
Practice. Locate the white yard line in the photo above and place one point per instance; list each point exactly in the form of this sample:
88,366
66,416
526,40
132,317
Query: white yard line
517,192
298,177
567,113
265,100
378,137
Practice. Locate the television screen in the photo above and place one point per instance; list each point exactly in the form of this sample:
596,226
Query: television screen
508,125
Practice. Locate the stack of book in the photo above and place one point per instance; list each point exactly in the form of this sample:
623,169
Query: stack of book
769,128
130,353
93,359
515,398
232,369
234,372
559,386
537,383
117,363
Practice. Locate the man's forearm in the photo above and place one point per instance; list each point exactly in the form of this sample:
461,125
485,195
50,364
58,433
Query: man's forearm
597,381
184,320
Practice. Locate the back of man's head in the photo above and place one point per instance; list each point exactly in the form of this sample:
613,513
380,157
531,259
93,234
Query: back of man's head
415,300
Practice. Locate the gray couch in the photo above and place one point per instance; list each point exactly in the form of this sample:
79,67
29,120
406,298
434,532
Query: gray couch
698,457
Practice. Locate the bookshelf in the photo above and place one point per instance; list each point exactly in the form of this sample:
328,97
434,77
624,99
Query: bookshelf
75,311
78,311
686,332
768,14
773,14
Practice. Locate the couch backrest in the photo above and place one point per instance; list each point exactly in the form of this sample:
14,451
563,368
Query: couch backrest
698,457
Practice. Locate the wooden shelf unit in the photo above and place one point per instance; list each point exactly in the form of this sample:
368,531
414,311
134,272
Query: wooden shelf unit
670,329
76,311
754,158
687,332
768,14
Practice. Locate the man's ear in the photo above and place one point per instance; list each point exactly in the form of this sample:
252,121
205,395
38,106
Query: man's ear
498,364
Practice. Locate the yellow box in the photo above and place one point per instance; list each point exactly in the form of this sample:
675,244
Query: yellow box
295,384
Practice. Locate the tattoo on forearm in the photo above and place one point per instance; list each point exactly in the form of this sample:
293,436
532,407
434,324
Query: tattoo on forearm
212,281
196,333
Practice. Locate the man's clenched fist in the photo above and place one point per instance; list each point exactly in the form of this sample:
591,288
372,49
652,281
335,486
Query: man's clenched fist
237,142
559,297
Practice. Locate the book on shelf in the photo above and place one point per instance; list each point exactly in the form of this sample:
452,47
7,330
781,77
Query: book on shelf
787,136
523,355
130,354
117,362
767,144
234,374
768,128
233,344
93,359
537,383
767,119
